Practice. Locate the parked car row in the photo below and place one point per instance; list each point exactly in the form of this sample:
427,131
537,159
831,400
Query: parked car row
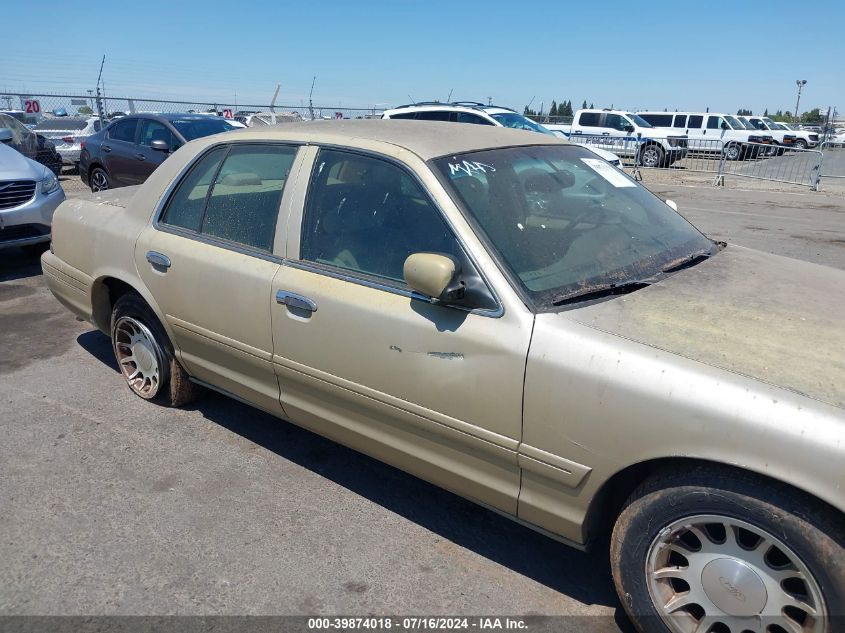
29,143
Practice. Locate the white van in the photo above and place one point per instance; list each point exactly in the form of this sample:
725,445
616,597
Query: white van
711,132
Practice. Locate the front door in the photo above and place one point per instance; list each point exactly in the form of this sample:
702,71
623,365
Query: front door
220,225
147,158
434,390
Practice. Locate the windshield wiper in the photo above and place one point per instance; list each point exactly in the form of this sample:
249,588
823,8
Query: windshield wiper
601,290
687,260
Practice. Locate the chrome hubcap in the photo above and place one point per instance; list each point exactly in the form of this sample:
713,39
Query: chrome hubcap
99,182
650,157
713,573
138,355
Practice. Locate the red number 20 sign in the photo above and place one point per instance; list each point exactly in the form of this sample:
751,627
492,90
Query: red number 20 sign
31,106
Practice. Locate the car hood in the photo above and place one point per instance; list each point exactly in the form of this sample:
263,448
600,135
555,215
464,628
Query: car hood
16,166
772,318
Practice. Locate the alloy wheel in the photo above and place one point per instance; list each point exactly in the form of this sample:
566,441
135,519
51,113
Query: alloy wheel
709,574
99,181
138,355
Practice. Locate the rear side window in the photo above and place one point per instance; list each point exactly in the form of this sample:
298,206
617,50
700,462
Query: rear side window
680,120
434,115
589,118
658,120
244,201
187,204
695,120
234,194
123,130
404,115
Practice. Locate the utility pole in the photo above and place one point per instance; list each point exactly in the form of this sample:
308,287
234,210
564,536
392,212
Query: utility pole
311,94
801,83
100,112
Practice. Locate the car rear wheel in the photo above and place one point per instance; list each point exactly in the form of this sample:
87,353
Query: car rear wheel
727,552
99,180
800,144
651,156
145,355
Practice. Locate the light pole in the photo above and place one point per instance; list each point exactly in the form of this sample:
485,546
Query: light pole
801,83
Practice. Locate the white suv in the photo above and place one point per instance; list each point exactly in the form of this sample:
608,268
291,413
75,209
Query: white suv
480,114
627,134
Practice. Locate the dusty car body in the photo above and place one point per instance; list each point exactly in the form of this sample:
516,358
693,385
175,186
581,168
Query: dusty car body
717,380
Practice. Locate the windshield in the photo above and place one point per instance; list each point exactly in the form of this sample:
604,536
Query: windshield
638,120
519,122
734,122
748,125
563,220
197,128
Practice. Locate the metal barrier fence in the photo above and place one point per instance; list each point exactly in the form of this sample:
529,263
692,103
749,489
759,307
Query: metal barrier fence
33,107
713,156
833,161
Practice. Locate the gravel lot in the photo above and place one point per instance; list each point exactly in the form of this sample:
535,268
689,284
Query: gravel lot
115,506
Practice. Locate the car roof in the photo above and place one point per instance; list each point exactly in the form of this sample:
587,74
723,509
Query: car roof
426,139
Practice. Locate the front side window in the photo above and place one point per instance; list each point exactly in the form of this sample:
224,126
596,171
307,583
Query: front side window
233,194
564,221
156,131
367,215
616,122
123,130
517,121
468,117
714,122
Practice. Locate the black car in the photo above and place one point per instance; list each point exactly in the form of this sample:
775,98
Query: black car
30,144
129,149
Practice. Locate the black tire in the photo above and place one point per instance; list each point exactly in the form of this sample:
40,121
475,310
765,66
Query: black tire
733,151
814,532
800,144
651,155
173,386
99,180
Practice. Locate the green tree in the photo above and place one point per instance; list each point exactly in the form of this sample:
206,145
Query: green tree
85,110
813,116
584,105
592,106
553,109
567,108
766,112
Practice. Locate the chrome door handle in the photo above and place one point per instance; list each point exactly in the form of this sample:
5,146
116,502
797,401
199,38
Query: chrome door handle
158,260
294,300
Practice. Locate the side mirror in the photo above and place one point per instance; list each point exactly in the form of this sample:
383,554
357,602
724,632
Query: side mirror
725,126
672,205
5,135
629,128
159,146
435,275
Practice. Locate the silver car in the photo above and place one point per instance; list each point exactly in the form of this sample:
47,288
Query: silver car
68,134
29,194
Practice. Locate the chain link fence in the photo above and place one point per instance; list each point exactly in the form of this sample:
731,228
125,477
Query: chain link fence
34,107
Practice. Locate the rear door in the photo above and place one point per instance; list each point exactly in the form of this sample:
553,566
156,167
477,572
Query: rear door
118,151
209,262
695,132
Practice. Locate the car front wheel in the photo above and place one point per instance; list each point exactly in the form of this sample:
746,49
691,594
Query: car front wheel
100,180
145,355
800,144
651,156
725,551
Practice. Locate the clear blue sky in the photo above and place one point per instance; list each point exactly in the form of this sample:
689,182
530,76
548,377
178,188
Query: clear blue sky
649,54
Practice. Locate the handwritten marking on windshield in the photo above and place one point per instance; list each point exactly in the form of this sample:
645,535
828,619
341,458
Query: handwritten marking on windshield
470,167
